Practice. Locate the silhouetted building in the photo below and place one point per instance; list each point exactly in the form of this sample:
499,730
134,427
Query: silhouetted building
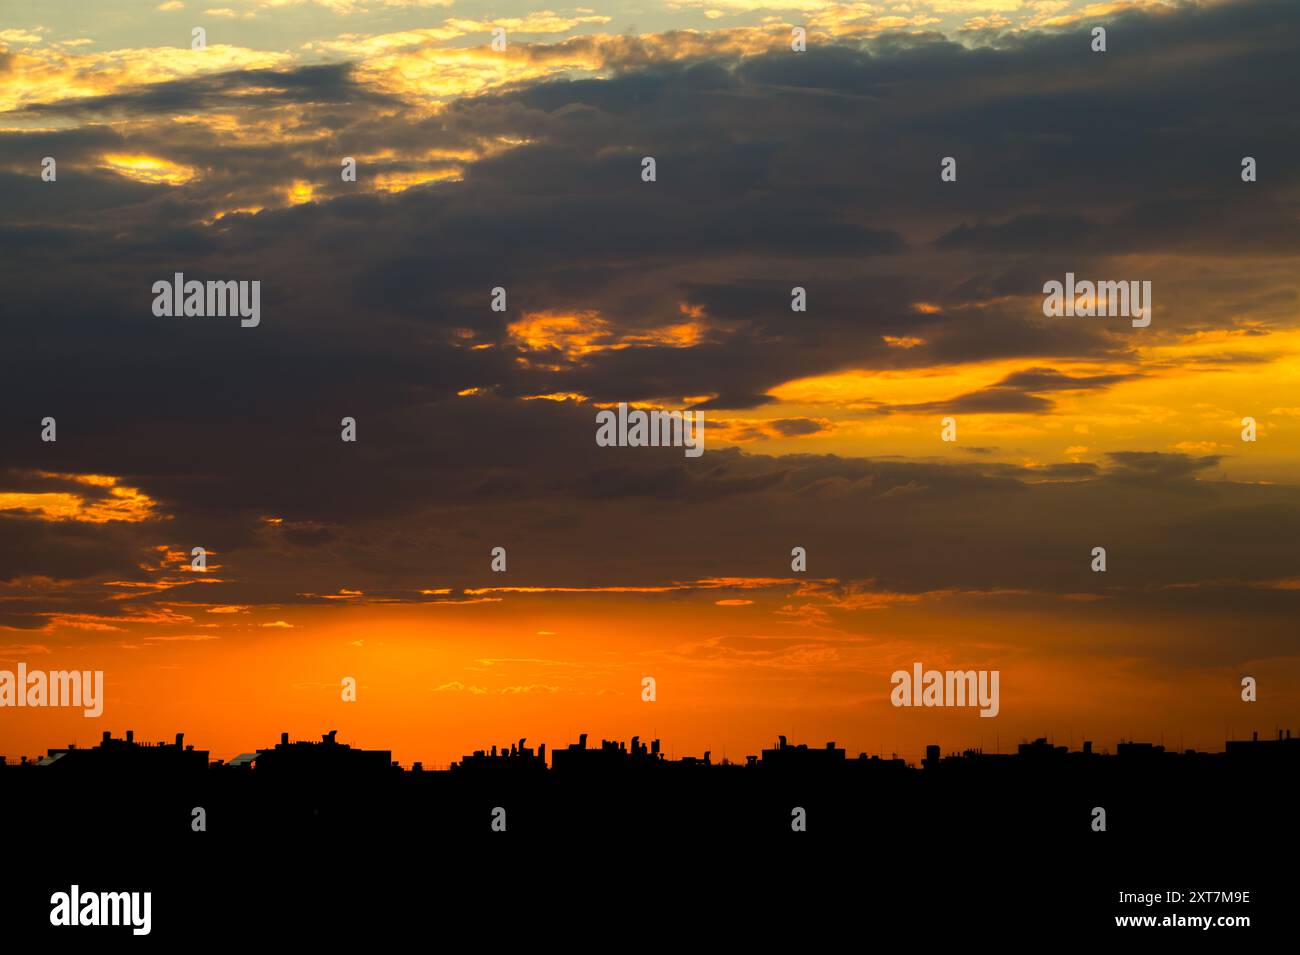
1139,751
518,758
801,758
1041,749
879,766
128,756
328,756
612,755
1256,749
931,760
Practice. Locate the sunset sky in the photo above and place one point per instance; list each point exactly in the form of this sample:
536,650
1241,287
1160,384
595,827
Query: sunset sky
522,169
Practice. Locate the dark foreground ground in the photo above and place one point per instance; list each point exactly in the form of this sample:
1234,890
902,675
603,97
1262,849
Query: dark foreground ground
658,858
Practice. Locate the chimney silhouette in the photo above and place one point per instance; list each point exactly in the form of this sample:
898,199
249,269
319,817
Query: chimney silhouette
107,736
130,736
284,739
1087,747
180,740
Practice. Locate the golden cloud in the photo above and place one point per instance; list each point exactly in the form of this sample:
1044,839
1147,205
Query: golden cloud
121,503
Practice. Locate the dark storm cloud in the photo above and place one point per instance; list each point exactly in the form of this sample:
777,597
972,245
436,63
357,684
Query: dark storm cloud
1021,234
307,85
63,550
27,198
795,427
1020,393
1172,225
1156,468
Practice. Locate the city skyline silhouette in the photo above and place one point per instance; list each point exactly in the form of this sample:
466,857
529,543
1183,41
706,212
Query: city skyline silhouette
325,785
634,748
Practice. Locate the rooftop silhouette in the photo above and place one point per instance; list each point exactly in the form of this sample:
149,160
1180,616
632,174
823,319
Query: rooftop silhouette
328,756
